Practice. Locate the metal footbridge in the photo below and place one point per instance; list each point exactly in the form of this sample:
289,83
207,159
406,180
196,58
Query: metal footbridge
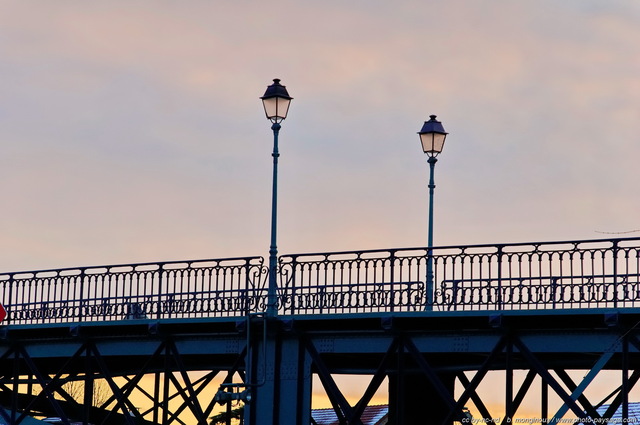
168,342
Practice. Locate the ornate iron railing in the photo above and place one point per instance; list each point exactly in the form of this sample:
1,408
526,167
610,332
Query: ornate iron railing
531,276
203,288
580,274
353,282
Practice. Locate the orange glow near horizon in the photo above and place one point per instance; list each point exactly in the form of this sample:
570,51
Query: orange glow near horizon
491,391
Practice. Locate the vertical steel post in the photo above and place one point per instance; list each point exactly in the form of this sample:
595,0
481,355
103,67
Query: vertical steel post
615,273
284,395
8,302
432,164
156,397
509,383
89,378
161,291
81,297
499,295
544,400
272,297
392,280
625,387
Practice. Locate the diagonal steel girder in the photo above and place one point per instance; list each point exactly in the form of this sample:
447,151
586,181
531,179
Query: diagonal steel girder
46,385
617,401
475,397
50,385
578,391
477,378
628,382
122,402
586,404
346,413
568,400
338,401
377,378
131,382
516,402
432,376
190,399
201,383
166,350
524,388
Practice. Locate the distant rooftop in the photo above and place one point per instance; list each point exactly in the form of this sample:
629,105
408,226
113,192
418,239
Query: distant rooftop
372,415
634,413
28,420
379,415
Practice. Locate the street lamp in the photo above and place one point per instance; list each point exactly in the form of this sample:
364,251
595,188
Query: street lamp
432,137
276,102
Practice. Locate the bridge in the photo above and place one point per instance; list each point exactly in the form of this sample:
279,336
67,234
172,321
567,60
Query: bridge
167,342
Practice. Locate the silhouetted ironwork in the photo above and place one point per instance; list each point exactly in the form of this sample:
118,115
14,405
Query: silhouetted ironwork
353,282
177,331
185,289
540,275
601,273
544,275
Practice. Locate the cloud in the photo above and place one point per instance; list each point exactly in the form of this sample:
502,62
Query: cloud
134,131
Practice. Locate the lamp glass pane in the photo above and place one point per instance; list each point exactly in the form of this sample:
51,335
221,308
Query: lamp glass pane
283,107
438,142
432,143
270,107
276,108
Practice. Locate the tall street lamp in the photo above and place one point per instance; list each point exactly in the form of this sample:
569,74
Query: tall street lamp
432,136
276,102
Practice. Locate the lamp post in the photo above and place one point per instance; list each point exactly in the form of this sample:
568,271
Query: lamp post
432,137
276,102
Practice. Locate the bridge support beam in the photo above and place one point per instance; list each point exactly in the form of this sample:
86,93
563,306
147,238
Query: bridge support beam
413,399
281,390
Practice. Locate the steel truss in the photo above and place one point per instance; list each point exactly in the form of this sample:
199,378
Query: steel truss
422,382
434,366
163,381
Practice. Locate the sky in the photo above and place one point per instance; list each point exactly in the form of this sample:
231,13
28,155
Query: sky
133,131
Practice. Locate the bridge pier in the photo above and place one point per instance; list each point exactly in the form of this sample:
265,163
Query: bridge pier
414,399
281,383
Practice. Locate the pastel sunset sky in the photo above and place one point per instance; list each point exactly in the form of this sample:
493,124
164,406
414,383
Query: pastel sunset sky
133,131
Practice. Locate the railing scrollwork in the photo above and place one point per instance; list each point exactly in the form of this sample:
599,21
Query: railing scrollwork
531,276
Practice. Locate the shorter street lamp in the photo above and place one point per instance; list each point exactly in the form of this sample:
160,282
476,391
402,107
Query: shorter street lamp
276,102
432,137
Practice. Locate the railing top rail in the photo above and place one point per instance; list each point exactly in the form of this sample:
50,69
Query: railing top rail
137,266
250,259
593,273
537,245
